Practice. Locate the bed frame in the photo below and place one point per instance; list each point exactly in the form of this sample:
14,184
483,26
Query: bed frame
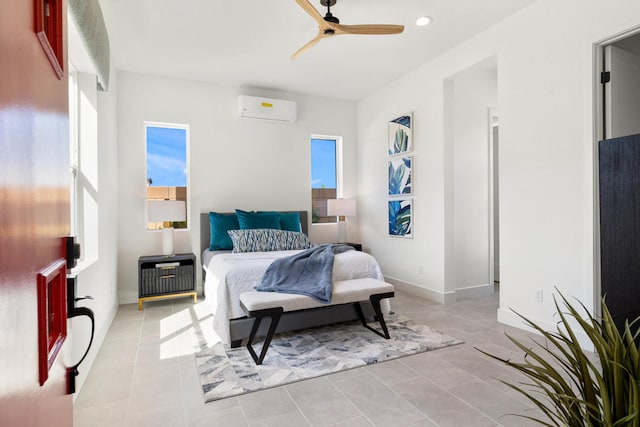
240,328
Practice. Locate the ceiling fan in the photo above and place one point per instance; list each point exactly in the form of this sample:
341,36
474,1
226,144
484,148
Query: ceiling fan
329,25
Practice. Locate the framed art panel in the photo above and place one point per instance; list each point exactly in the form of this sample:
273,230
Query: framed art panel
51,285
400,176
401,218
49,29
400,139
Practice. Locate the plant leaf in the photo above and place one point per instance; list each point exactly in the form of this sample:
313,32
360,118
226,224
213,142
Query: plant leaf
577,391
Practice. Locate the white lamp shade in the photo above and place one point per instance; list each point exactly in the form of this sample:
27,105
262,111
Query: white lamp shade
341,207
166,210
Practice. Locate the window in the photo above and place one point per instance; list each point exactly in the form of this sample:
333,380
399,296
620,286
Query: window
167,171
83,160
325,176
73,148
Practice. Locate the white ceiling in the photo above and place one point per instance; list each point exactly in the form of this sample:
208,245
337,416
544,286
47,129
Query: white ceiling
250,42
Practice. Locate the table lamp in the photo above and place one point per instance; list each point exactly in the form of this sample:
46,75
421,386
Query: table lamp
167,211
341,208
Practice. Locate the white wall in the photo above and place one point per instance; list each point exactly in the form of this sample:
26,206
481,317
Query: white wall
235,163
98,276
545,97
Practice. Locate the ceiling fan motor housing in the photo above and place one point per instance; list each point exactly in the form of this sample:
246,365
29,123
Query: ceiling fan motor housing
330,18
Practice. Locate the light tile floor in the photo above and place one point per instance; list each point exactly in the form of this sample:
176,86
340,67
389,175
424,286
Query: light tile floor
145,375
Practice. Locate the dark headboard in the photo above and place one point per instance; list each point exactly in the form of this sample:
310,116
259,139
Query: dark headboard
205,233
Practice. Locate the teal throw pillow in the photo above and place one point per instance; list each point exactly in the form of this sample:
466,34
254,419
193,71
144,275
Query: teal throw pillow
219,224
289,221
251,220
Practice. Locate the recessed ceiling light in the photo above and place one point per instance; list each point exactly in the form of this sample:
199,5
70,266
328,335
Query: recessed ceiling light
424,20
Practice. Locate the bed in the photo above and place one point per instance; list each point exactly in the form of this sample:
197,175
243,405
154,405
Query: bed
227,275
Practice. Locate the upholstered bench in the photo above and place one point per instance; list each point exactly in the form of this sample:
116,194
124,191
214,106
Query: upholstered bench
259,305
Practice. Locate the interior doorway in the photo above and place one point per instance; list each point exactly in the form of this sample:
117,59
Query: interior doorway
620,80
617,184
471,132
494,197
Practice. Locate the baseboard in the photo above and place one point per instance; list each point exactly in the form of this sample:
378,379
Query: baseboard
128,297
472,292
508,317
98,339
422,292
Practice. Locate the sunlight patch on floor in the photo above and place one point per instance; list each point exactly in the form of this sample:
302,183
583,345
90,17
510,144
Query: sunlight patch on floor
187,332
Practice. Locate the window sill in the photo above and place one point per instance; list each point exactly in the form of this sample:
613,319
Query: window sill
81,266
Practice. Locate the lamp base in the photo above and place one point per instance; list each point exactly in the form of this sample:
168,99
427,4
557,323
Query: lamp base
167,241
342,231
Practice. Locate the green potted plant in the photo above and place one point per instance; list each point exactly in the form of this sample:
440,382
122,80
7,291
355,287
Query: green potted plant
568,386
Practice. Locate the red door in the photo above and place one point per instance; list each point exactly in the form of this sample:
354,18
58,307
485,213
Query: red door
34,216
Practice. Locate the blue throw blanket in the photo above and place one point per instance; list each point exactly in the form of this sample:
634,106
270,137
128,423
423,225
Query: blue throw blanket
307,273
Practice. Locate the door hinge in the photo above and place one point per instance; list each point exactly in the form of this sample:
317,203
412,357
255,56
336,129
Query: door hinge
605,77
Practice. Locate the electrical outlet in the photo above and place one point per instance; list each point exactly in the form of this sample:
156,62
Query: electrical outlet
539,295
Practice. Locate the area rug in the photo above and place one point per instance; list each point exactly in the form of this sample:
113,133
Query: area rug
309,353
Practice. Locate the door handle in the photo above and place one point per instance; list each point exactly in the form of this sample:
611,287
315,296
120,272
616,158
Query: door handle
72,372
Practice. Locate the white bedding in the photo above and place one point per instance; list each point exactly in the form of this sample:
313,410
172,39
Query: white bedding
230,274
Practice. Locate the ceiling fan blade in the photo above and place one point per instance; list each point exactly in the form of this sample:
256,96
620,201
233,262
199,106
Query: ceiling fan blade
328,27
308,46
371,29
306,5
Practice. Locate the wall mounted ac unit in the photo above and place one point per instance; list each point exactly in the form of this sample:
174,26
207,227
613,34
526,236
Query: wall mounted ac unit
273,110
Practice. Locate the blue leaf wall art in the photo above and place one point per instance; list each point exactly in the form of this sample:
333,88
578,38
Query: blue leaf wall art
400,176
401,218
400,135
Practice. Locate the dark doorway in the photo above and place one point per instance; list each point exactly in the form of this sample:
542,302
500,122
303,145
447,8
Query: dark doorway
619,179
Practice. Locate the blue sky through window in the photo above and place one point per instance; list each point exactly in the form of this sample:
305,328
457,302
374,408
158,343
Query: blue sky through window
167,156
323,163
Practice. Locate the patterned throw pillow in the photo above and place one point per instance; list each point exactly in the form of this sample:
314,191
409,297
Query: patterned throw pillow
265,240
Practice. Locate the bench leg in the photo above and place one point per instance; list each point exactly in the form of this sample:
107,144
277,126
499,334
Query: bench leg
375,303
274,314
